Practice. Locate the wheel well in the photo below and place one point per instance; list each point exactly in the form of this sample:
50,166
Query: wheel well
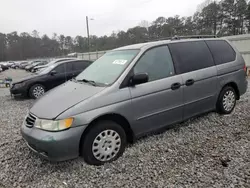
116,118
28,90
234,85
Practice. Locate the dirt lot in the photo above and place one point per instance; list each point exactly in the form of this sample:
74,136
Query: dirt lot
209,151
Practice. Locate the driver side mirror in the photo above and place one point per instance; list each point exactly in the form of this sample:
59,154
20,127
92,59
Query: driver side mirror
139,78
52,73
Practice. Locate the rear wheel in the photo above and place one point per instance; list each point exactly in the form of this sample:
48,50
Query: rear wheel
103,143
227,100
36,91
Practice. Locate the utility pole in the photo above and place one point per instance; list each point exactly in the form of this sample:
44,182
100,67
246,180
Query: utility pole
87,22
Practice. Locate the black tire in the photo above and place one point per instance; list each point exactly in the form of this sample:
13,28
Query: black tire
220,107
91,135
32,91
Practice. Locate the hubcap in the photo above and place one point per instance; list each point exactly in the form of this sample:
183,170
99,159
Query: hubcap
228,100
106,145
38,91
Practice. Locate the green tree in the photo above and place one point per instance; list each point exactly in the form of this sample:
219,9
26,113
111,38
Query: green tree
247,17
211,16
241,9
3,44
69,44
62,44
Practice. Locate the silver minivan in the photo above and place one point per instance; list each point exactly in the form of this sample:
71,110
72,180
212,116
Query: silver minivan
132,91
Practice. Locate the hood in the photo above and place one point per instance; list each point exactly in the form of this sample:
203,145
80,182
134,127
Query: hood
63,97
26,78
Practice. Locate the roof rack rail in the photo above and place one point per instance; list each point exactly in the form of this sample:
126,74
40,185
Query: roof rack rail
193,37
184,37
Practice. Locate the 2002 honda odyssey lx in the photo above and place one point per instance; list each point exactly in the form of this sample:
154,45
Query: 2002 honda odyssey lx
131,91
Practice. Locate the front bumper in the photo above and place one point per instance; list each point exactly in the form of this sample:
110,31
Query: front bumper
243,87
23,91
54,146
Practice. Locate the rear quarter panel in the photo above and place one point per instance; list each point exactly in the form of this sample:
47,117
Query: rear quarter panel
232,72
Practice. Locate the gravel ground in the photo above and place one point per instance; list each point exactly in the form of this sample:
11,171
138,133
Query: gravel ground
15,75
208,151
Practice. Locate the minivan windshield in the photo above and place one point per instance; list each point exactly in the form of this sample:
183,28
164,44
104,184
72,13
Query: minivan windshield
108,68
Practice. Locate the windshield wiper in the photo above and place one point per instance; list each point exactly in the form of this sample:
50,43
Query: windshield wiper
93,83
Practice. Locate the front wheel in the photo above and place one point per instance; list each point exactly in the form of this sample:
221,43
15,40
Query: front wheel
104,142
227,100
36,91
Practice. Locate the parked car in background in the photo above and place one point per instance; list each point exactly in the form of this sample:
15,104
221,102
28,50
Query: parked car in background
30,68
36,85
10,63
15,65
4,66
132,91
23,64
42,63
39,67
31,64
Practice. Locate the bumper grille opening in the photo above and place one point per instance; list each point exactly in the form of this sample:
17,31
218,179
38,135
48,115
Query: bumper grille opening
30,120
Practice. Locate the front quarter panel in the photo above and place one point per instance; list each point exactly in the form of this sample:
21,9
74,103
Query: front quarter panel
117,102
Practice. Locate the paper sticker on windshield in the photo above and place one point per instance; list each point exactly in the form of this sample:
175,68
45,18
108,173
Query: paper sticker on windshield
120,62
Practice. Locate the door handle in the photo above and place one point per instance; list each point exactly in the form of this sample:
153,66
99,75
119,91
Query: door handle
189,82
175,86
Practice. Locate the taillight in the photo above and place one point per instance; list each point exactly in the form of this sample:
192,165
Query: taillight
245,68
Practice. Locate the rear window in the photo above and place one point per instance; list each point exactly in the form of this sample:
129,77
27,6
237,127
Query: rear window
221,51
80,65
191,56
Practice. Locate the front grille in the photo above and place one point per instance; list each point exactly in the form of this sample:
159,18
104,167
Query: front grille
30,120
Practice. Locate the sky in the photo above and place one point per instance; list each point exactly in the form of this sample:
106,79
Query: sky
68,17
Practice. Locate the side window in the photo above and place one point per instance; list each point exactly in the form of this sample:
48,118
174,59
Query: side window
69,66
80,65
60,69
221,51
157,62
191,56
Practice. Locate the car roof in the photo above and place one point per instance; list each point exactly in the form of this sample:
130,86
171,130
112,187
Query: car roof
72,60
160,42
61,59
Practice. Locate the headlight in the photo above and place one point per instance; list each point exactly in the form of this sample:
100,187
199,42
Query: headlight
18,85
50,125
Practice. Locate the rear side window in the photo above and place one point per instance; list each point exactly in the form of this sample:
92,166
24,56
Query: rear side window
60,69
80,65
69,66
221,51
191,56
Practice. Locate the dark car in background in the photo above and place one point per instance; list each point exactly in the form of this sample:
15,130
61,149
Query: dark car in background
39,67
37,84
4,67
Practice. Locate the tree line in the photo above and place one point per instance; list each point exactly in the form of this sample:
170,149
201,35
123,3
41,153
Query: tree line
221,18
